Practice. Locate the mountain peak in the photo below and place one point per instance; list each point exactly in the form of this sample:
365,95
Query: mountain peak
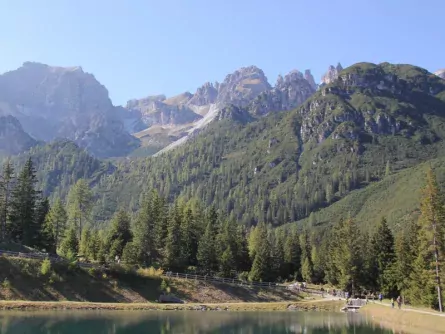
332,74
41,66
440,73
242,86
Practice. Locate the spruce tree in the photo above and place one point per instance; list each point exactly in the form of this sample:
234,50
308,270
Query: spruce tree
69,246
143,231
159,211
348,256
173,259
242,261
426,284
22,226
56,221
84,244
227,262
80,201
382,255
189,238
307,267
43,238
262,264
278,254
292,254
6,184
119,234
206,256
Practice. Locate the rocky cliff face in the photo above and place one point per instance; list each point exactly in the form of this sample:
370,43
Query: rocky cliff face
242,86
244,91
288,93
162,111
310,78
205,95
13,139
332,74
369,99
440,73
65,102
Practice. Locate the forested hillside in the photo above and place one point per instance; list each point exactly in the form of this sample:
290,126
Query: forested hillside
375,120
60,164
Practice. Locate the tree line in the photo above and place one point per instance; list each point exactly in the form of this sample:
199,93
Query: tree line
186,236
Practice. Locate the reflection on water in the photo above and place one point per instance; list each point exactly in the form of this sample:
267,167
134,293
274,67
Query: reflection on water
120,322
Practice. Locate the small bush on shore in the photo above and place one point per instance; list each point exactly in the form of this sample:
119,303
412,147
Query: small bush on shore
6,284
150,272
45,267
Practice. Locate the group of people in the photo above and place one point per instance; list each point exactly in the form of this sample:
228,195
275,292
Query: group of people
398,300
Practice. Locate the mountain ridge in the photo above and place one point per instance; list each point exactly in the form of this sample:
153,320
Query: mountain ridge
53,102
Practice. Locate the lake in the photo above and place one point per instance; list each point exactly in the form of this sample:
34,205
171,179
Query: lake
147,322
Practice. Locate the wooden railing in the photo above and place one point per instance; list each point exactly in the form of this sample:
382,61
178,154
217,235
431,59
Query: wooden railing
214,279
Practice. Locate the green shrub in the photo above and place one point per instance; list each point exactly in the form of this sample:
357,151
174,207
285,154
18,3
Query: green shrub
164,286
6,284
151,272
92,271
45,268
244,276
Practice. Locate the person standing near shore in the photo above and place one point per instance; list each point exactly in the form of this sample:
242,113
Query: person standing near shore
399,302
392,302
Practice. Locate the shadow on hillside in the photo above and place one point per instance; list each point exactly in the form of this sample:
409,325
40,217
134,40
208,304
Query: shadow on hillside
195,292
27,283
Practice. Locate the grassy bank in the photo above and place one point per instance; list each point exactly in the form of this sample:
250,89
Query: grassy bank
405,320
23,279
314,305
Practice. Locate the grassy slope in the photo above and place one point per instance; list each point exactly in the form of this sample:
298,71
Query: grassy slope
403,320
397,197
65,284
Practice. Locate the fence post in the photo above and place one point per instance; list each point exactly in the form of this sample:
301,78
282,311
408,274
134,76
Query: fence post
185,276
196,277
177,275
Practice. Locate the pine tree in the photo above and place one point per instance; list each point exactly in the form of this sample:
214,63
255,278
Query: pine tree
23,205
6,183
382,255
56,221
80,200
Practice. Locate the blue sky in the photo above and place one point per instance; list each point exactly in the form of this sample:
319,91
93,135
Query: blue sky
138,48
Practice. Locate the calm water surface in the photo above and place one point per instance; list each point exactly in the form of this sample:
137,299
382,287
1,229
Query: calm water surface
120,322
